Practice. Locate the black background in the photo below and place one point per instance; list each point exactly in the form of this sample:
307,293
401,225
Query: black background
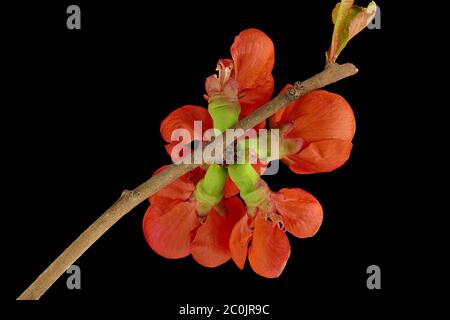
85,111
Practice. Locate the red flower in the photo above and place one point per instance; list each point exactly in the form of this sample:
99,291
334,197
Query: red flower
251,69
173,228
202,216
292,210
316,132
253,57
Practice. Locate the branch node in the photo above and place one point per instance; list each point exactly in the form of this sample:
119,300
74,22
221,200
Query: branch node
298,85
130,194
291,94
296,91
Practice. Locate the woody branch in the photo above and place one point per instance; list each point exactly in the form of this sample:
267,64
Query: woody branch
131,198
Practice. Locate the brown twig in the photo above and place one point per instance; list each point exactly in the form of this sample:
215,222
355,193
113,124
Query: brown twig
130,199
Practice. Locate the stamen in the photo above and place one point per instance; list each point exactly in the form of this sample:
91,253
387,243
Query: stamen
275,218
224,69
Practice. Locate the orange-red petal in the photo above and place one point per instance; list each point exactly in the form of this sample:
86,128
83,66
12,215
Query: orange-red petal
253,55
253,98
210,247
230,188
320,115
270,249
182,188
326,124
169,231
302,213
196,175
320,156
160,206
184,117
239,240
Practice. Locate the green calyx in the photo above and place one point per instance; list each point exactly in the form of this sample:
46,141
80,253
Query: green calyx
244,177
209,190
253,190
224,112
257,197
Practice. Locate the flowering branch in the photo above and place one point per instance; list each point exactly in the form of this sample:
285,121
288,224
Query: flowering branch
131,198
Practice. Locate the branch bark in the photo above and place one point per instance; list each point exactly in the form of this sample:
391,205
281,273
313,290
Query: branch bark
130,199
